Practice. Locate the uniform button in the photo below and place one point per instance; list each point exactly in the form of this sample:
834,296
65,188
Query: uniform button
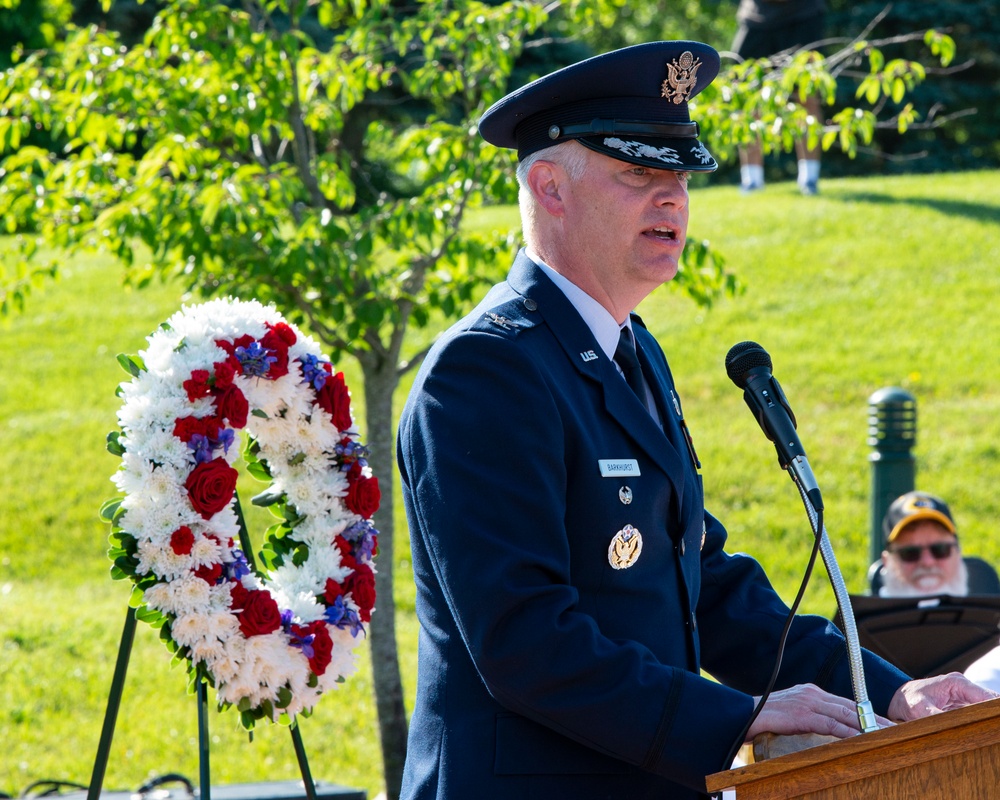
530,304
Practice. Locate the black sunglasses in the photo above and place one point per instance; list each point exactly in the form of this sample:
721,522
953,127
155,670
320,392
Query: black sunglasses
911,552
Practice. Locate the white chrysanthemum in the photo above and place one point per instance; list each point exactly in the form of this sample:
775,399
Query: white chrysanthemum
206,551
189,629
207,650
191,595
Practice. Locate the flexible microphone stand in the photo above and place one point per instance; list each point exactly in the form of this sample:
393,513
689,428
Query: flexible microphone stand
866,714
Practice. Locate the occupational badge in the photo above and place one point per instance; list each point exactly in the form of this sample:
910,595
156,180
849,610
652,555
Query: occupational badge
625,548
625,495
682,75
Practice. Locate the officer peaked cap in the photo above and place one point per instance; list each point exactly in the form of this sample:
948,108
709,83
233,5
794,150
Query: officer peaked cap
630,104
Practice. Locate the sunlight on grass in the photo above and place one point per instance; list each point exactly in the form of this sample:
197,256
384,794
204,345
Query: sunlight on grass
876,282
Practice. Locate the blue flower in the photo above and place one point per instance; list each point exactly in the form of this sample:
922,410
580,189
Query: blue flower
304,643
204,447
238,567
255,359
313,372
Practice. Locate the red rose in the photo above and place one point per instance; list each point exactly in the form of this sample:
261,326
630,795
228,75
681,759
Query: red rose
187,427
238,595
260,614
364,496
224,374
284,332
197,385
347,558
209,573
361,585
277,341
231,404
211,486
182,540
335,400
322,645
332,592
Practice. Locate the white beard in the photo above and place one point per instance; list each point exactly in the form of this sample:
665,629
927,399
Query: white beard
894,585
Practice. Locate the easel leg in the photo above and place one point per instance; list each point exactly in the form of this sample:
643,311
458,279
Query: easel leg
203,741
114,702
300,754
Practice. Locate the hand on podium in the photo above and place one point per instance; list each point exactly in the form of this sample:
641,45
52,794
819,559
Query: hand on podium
807,709
921,698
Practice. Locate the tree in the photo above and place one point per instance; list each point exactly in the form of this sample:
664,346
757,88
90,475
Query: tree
229,150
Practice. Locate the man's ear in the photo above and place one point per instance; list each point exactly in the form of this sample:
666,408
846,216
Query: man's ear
545,179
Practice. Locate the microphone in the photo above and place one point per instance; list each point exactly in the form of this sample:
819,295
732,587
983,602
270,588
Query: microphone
749,367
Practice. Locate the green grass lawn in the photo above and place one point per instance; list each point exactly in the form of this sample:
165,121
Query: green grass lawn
876,282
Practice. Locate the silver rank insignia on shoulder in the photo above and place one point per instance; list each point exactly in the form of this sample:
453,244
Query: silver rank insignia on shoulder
498,320
625,548
625,495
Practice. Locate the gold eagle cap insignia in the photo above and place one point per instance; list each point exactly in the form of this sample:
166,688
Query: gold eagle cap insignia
682,75
625,547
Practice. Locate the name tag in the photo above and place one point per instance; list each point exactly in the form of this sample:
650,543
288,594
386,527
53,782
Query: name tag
616,467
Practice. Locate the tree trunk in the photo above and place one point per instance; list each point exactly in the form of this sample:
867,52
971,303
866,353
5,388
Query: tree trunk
379,383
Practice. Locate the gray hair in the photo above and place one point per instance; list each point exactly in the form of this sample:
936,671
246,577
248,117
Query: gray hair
571,156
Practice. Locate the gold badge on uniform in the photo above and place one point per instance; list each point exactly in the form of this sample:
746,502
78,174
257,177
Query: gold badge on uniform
682,75
625,548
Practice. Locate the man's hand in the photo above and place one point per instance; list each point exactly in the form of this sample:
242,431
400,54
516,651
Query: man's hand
928,696
807,709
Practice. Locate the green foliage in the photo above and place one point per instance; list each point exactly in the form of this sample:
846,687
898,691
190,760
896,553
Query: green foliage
29,25
762,100
960,91
244,158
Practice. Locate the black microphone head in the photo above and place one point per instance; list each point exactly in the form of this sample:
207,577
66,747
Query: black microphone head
744,357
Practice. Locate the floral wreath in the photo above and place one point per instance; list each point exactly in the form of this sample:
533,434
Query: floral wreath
270,642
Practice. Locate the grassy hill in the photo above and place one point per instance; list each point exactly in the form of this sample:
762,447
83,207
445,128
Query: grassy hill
874,283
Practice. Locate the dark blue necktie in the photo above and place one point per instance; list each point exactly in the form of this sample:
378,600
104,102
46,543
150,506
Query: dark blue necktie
628,361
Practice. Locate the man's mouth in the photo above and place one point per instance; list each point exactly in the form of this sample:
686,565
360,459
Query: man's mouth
663,232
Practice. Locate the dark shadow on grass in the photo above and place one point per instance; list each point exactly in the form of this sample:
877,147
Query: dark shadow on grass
957,208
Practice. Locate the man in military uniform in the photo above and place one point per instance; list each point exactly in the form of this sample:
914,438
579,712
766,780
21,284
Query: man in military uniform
570,584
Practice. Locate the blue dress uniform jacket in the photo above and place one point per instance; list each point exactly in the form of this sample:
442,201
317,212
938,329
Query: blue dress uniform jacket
544,671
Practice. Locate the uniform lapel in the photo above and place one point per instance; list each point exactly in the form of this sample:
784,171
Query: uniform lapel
590,361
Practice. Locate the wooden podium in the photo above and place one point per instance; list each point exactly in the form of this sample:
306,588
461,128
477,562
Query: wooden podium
941,757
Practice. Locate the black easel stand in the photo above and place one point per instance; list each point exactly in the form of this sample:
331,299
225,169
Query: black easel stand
201,688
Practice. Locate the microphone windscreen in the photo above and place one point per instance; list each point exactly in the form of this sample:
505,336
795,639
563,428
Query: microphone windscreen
742,358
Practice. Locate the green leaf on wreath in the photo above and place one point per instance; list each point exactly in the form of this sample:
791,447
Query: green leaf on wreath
133,365
259,413
114,446
268,497
150,615
258,470
109,507
135,599
284,697
297,459
301,555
